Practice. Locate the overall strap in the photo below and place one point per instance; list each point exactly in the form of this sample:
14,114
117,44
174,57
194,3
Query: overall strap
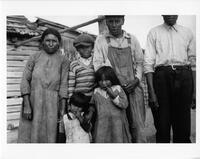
129,40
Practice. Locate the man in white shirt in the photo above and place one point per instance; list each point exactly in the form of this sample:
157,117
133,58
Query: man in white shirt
169,65
123,53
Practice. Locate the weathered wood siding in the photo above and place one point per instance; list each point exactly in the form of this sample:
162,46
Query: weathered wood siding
16,60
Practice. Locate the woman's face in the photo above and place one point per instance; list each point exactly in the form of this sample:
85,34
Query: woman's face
50,44
85,51
104,83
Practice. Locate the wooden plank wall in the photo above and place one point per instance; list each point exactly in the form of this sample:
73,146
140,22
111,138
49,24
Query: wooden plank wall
16,60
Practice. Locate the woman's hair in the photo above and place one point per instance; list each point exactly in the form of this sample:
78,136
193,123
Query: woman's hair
80,100
108,74
51,31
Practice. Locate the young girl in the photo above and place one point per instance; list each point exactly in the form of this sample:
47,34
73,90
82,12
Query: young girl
77,129
111,102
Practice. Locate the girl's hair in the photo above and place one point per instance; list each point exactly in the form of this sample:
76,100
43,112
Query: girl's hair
80,100
108,74
50,31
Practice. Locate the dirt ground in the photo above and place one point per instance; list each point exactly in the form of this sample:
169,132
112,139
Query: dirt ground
149,130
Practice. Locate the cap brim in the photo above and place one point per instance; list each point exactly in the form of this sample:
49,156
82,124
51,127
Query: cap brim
83,44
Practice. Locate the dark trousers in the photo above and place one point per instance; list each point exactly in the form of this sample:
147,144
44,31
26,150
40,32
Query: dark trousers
173,89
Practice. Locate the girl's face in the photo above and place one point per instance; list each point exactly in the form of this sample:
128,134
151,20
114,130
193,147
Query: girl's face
50,43
104,83
75,110
85,51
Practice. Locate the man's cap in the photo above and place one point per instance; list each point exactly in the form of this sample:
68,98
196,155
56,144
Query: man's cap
113,16
84,40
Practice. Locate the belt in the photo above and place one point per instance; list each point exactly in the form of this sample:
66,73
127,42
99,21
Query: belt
174,67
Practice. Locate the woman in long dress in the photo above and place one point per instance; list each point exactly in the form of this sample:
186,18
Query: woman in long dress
43,84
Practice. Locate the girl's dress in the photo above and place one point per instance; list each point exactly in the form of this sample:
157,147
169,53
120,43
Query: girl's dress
111,123
45,80
73,130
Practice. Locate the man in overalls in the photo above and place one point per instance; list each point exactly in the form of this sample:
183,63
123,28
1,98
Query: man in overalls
123,53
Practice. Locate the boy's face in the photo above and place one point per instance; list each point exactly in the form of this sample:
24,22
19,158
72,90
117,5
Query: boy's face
85,51
75,110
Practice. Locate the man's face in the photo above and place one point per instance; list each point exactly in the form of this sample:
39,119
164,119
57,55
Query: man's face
170,19
115,25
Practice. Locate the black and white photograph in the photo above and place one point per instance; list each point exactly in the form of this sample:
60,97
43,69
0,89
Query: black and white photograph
100,82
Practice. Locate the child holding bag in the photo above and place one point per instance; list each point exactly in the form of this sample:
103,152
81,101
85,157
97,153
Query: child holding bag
77,129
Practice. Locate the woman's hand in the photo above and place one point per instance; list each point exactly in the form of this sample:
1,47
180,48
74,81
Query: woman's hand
62,108
27,109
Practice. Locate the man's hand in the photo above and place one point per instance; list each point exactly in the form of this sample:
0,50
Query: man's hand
153,102
130,87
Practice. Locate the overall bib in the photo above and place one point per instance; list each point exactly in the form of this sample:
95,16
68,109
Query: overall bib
121,61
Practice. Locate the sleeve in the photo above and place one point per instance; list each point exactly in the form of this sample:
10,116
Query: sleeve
192,51
138,57
100,53
121,100
72,80
64,78
25,87
149,54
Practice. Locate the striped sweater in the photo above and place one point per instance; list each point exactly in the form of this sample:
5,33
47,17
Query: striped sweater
81,78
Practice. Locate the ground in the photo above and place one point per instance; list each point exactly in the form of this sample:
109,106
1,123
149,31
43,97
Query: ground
150,130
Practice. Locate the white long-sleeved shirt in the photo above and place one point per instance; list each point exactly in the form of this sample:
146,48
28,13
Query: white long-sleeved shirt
100,57
169,46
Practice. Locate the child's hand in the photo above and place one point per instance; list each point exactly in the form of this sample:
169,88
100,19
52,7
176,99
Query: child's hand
77,114
110,92
88,117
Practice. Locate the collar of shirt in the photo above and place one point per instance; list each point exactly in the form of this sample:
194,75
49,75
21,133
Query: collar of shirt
86,61
168,28
125,35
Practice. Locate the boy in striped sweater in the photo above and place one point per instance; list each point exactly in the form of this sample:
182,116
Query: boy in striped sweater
81,73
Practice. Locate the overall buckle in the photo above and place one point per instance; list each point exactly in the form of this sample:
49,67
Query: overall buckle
173,68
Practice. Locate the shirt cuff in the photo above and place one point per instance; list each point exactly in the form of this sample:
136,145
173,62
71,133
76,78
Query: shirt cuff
148,69
139,77
116,100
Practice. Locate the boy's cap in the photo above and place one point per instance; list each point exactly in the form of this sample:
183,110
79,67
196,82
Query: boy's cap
83,39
